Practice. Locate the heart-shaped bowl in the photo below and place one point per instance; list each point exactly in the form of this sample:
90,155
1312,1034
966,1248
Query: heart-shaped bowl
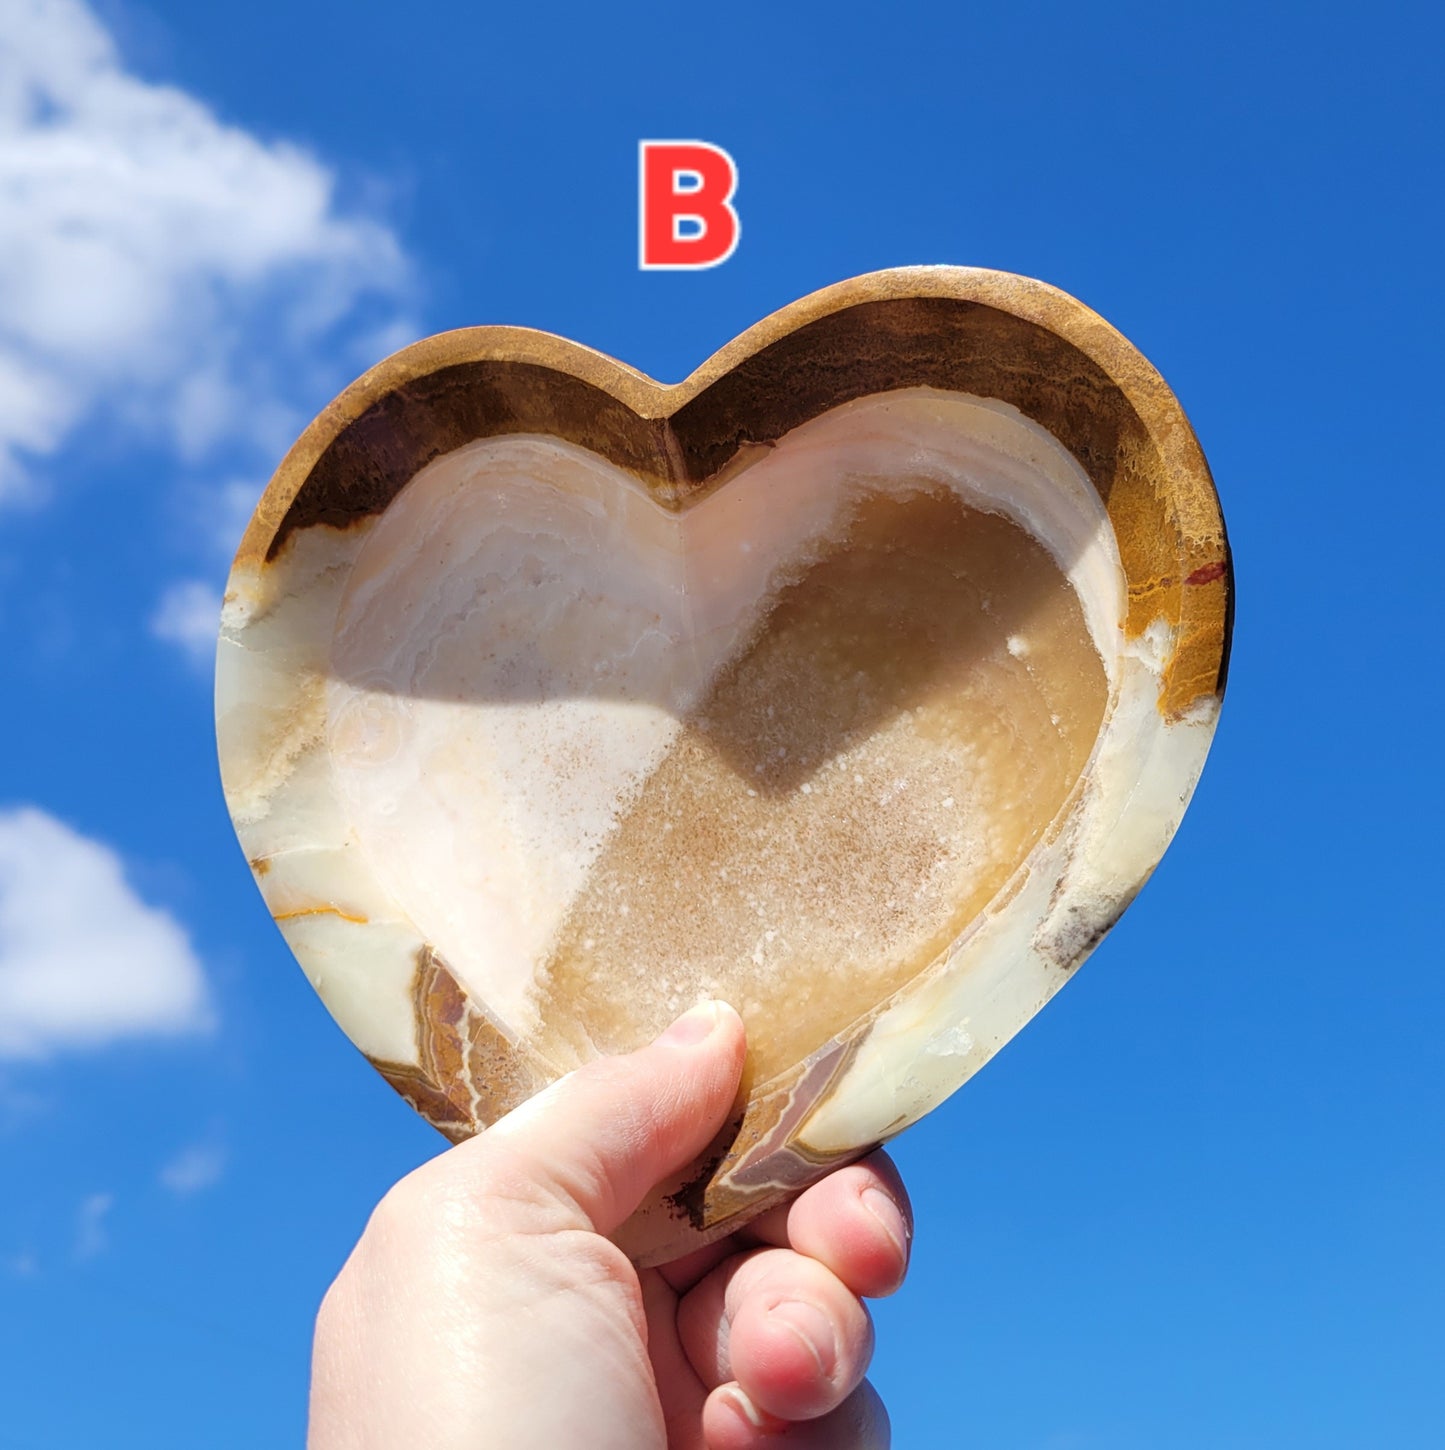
861,679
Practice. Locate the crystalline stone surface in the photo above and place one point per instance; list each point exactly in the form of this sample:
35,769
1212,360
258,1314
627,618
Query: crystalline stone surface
847,794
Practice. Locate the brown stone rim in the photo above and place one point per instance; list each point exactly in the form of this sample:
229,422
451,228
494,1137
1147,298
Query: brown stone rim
958,329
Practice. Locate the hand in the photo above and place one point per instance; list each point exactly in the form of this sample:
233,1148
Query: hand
484,1306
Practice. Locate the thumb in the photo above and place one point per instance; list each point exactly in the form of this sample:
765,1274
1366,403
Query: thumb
585,1151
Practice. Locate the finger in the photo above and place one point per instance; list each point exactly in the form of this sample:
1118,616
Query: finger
782,1325
584,1152
730,1421
857,1221
679,1390
681,1274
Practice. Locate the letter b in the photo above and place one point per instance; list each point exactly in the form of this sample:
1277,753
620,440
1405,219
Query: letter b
685,214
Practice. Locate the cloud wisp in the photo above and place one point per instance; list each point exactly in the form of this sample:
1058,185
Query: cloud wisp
194,1169
92,1235
84,961
22,1265
189,616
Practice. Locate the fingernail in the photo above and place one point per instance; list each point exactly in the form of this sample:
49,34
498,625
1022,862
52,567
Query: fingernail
814,1328
737,1397
693,1027
889,1215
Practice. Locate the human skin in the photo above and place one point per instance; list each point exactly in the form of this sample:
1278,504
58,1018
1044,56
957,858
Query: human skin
485,1306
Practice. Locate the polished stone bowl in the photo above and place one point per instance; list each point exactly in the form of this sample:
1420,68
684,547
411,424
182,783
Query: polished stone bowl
861,680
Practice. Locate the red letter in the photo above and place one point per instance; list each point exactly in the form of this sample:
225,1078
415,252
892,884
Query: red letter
688,182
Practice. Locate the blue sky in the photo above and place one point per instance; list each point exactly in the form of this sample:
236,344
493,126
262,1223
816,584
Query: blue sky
1196,1205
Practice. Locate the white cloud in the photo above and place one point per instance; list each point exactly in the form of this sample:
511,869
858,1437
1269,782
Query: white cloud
83,960
91,1236
158,266
189,615
193,1169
